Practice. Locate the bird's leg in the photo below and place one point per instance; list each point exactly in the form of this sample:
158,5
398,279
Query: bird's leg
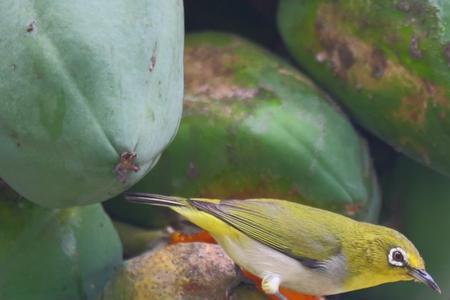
240,279
271,285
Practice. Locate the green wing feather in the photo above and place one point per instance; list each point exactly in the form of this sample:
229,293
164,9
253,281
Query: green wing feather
299,231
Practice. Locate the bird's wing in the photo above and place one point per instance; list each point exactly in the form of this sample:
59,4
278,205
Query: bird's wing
298,231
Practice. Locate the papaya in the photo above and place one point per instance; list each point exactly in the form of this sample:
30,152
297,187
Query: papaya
90,93
419,199
187,271
386,62
253,126
48,254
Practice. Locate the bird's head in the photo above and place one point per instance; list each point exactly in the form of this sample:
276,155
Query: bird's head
383,255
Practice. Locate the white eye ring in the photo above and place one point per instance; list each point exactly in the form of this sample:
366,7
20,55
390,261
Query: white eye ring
395,262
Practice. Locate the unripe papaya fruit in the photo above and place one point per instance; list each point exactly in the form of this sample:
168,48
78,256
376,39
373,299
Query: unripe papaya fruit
254,127
388,62
90,93
50,254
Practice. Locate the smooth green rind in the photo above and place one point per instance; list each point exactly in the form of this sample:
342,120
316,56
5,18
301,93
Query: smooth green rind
54,254
421,202
388,62
254,127
82,82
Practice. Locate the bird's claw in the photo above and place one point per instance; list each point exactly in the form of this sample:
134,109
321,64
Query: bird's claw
280,296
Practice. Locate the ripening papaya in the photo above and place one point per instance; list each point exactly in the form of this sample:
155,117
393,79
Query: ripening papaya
90,93
48,254
387,62
253,126
187,271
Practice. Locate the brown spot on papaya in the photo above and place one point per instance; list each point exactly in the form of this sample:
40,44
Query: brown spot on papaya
413,110
429,87
345,56
322,32
208,73
152,63
378,63
30,27
336,48
372,70
414,50
436,94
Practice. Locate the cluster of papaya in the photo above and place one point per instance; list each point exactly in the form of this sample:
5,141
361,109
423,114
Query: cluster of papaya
314,102
90,93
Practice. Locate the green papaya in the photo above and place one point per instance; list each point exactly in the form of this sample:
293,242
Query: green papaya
90,93
49,254
254,127
387,62
419,199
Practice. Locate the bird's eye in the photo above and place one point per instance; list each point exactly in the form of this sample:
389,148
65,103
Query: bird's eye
397,257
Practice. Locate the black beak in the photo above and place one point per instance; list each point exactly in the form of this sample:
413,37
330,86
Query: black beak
424,277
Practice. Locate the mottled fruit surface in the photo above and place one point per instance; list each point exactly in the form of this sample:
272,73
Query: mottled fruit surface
185,271
387,62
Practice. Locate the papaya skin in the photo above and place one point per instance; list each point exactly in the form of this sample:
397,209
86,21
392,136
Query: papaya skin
91,94
387,62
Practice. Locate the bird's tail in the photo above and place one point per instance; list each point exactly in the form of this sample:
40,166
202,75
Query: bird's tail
157,200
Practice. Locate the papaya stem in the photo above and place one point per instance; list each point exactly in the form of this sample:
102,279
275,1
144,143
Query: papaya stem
125,165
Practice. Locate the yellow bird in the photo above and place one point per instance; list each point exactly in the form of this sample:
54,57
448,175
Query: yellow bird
305,249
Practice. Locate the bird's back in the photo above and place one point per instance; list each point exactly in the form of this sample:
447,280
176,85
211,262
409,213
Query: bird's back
296,230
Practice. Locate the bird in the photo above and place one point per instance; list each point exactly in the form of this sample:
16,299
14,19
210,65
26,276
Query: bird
299,247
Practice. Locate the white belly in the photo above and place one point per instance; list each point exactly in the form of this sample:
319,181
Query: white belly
260,259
